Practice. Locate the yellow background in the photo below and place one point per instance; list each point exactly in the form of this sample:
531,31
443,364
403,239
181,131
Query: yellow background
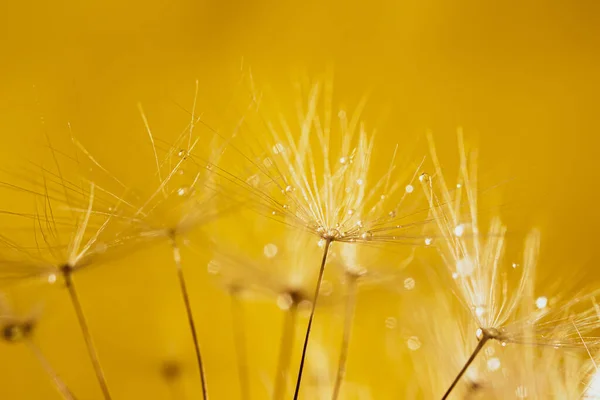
521,77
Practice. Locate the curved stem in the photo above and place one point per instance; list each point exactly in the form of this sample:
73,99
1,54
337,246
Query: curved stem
285,351
190,317
54,377
480,345
237,313
312,315
348,318
85,331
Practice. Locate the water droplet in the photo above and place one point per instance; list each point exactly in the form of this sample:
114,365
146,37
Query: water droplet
343,160
521,392
428,241
278,148
326,288
409,188
459,230
541,302
286,207
479,311
213,267
321,243
409,283
458,185
413,343
503,344
180,171
342,114
101,248
350,212
289,189
465,266
273,213
382,197
359,181
392,214
515,265
51,278
267,162
454,275
390,322
182,153
493,364
253,180
284,301
424,177
270,250
359,223
366,235
183,191
332,234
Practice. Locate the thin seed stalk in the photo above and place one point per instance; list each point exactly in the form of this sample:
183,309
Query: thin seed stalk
237,312
312,315
285,351
190,317
50,371
67,272
348,319
480,345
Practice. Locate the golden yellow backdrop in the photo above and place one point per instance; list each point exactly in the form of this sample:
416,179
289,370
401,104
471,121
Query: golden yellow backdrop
521,78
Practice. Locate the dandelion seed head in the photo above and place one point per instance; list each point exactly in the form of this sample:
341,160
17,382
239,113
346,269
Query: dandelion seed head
413,343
